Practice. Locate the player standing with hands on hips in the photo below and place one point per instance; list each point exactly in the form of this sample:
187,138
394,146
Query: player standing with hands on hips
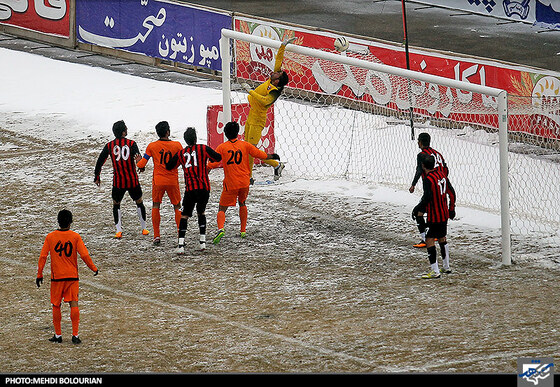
260,100
435,203
63,245
424,145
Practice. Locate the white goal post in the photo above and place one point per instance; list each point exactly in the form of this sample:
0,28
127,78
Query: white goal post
500,96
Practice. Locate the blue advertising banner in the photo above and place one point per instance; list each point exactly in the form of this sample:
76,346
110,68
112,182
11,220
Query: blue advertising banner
541,13
159,29
548,13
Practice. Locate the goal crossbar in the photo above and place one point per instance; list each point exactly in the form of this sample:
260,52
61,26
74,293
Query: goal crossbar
499,94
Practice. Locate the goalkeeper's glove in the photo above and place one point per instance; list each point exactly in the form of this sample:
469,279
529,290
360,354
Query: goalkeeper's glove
96,272
39,281
246,87
287,41
451,214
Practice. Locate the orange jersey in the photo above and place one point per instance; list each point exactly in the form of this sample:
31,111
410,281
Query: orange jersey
162,151
64,246
235,161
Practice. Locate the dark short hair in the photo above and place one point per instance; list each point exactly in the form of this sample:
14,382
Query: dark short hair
231,130
424,139
119,128
64,218
162,128
283,80
190,136
429,162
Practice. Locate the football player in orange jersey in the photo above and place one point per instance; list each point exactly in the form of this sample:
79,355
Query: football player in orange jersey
260,100
163,180
63,245
237,173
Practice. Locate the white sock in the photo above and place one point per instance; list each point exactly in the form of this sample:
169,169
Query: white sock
445,254
435,267
119,223
142,221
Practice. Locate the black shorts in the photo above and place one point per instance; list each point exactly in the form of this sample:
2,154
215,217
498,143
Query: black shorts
118,193
437,230
198,197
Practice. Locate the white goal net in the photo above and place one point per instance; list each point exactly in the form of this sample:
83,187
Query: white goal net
343,117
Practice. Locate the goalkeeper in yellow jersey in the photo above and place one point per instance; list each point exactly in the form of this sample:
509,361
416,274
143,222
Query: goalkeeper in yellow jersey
260,99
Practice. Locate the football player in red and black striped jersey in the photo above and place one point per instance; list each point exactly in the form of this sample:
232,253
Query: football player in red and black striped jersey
424,144
125,178
194,160
438,202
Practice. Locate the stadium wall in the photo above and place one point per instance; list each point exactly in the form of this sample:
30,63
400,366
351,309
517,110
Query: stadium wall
44,24
185,37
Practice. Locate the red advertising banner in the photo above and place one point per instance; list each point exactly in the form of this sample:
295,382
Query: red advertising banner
534,98
239,112
49,17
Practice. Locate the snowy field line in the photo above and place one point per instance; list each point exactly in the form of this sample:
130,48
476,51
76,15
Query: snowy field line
209,316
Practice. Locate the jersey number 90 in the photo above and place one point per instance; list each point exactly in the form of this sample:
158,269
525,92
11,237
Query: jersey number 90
121,152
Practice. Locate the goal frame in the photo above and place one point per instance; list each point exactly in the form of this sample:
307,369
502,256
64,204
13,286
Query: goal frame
501,96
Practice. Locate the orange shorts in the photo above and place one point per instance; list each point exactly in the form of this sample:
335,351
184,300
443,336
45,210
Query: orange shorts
64,290
230,197
172,191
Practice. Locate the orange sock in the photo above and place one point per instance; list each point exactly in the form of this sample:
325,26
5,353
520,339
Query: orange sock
57,318
75,317
156,219
177,217
221,219
243,217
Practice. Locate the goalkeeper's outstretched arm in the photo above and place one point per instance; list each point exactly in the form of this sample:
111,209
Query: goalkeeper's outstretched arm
280,54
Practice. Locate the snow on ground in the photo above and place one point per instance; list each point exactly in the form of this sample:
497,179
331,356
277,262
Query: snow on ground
90,99
74,101
327,280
